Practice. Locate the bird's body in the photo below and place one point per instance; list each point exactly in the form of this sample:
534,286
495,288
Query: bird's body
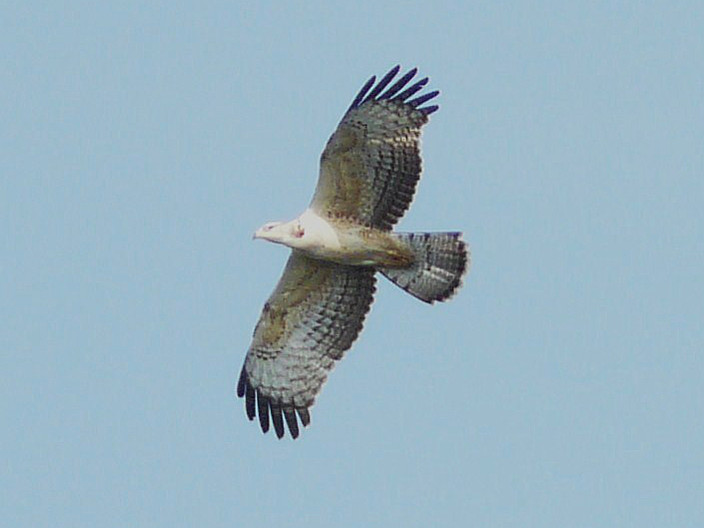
340,240
368,175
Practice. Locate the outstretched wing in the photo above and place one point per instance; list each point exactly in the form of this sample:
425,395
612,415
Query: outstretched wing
312,317
371,164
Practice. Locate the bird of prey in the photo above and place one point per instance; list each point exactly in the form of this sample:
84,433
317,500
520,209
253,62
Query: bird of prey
368,175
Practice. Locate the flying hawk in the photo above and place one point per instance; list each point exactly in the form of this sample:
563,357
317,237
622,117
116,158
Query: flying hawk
368,175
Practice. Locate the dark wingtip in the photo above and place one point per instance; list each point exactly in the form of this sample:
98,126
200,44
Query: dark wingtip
304,415
249,401
241,383
290,416
263,408
277,419
258,404
358,98
372,92
399,84
383,83
408,92
423,98
427,110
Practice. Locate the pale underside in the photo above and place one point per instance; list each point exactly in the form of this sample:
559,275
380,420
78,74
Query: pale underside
345,241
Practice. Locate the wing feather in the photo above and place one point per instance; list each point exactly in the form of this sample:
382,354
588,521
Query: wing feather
362,92
413,89
388,94
313,316
277,419
371,164
423,98
290,415
304,415
383,83
263,409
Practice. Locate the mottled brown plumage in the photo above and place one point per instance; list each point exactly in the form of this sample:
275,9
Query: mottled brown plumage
371,164
368,175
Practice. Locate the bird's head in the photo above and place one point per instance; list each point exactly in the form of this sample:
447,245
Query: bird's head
286,233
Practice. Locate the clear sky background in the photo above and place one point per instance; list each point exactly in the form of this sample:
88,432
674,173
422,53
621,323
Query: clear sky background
141,144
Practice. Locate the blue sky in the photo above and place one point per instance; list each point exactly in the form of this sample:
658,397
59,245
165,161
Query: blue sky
141,146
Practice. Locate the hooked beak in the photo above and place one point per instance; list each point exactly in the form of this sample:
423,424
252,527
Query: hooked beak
267,231
262,232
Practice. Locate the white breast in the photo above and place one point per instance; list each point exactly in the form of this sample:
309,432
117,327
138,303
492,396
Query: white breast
318,232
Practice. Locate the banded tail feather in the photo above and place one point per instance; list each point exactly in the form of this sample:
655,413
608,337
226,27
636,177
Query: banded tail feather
441,260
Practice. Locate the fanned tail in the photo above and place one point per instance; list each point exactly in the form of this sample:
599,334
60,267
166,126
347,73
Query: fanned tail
441,260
